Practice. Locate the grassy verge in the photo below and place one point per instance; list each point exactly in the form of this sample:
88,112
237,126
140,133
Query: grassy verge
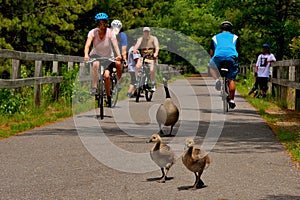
284,122
50,112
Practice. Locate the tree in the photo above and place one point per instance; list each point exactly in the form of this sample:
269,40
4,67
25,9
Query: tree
42,26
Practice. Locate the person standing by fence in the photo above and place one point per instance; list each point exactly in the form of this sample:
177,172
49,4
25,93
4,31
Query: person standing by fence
262,69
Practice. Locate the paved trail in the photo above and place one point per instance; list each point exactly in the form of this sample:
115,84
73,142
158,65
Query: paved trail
80,158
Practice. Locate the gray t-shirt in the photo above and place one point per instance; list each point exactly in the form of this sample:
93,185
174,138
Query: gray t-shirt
131,59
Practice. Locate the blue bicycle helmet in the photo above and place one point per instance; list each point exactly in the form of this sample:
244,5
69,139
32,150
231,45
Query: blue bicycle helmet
101,16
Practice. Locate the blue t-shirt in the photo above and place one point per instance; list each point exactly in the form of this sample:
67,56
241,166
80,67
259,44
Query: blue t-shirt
224,45
122,40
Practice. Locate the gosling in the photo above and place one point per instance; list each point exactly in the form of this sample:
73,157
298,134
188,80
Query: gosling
162,155
196,161
167,113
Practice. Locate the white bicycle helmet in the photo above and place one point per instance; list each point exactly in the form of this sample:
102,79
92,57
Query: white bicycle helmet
116,24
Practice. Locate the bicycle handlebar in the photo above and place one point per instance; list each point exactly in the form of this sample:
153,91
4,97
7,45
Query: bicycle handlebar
148,55
101,59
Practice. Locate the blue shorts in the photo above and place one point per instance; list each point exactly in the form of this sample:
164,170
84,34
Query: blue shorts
233,69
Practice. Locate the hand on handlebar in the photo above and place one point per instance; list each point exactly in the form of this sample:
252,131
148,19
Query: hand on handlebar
86,58
118,58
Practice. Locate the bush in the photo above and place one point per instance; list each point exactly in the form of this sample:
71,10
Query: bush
12,102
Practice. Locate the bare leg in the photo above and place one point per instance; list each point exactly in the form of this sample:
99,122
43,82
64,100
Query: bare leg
119,69
107,82
214,73
152,69
231,89
94,72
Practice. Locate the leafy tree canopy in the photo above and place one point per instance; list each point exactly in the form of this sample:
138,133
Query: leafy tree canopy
60,26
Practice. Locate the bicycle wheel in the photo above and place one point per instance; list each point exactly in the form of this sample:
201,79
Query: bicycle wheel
114,90
138,87
148,92
101,96
148,95
225,95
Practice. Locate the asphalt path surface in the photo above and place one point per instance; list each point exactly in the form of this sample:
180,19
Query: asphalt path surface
86,158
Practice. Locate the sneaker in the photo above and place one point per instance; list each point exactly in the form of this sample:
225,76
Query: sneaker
231,104
252,91
93,91
153,88
218,85
108,103
130,95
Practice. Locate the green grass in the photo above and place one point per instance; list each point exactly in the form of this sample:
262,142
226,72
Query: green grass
284,122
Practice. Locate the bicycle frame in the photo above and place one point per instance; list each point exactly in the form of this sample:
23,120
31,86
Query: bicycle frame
224,86
143,80
100,96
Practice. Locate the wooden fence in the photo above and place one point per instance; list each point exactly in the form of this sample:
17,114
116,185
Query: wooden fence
284,81
17,82
38,79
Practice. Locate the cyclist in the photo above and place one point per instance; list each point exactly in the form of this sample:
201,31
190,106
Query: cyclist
134,63
102,38
262,69
116,26
225,46
148,44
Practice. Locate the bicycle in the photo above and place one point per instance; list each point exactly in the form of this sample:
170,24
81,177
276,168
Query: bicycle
224,69
101,96
144,81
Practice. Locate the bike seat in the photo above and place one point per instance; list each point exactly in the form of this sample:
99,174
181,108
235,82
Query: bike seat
224,68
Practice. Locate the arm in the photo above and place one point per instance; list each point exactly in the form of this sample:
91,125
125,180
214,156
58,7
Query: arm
211,49
156,45
124,45
87,48
124,52
137,45
116,47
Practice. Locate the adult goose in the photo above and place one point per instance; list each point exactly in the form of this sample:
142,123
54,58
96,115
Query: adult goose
196,161
167,113
162,155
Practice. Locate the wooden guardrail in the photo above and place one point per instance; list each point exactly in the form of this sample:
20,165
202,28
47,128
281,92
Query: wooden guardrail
17,82
284,81
38,79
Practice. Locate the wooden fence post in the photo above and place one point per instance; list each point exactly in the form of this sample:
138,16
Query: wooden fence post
55,86
37,88
297,96
16,69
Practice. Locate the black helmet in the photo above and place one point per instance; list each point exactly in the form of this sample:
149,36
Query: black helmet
226,25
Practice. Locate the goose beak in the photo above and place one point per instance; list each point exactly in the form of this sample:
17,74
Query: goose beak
186,147
149,141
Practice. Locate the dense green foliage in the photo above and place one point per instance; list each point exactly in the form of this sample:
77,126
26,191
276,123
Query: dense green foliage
61,26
